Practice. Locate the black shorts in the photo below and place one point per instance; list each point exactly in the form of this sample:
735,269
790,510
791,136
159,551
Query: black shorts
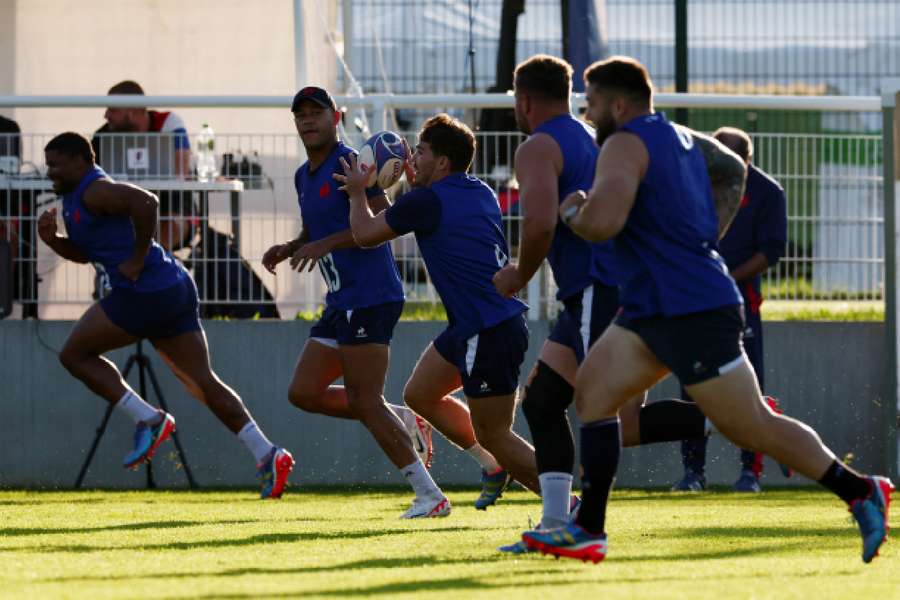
584,318
695,347
155,315
368,325
489,363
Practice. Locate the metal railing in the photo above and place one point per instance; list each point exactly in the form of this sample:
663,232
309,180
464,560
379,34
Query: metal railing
835,46
832,181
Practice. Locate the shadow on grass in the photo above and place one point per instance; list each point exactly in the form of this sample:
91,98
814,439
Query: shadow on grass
268,538
374,563
763,532
26,531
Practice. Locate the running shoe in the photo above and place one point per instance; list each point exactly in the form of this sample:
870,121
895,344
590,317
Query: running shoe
273,473
492,488
420,431
147,439
871,515
748,482
424,508
691,482
570,541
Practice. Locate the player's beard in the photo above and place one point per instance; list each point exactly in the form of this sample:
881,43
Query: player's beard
522,122
603,129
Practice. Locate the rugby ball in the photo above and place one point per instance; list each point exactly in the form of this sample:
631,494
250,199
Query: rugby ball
387,152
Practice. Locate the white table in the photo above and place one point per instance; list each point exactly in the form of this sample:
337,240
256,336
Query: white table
40,186
234,187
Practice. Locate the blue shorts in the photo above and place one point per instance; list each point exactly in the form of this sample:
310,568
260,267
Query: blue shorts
489,363
584,318
753,345
369,325
695,347
155,315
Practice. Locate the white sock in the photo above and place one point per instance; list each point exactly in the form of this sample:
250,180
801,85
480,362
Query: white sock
255,440
422,483
484,458
556,493
135,407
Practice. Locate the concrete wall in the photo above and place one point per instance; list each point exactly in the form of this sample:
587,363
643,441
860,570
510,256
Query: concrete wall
828,374
169,46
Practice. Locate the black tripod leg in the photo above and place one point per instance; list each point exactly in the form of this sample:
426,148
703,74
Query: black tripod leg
144,363
100,430
162,404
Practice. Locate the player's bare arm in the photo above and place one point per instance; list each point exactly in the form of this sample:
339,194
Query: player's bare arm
727,174
104,197
601,213
308,253
281,252
368,230
538,164
47,230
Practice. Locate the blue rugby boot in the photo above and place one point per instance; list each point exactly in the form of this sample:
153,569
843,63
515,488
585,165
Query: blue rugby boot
871,515
570,541
492,487
147,439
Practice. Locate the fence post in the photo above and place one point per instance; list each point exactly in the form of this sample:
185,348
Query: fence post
379,112
891,188
681,56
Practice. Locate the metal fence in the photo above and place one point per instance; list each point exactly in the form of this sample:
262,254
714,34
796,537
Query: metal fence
734,46
220,230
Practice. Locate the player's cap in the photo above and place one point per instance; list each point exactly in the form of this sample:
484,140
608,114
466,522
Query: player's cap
315,94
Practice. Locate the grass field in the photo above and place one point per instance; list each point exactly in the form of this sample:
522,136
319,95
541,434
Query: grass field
334,543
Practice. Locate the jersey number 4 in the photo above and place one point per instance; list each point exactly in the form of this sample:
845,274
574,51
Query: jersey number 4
330,273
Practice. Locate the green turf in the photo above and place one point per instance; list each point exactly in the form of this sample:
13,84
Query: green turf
781,544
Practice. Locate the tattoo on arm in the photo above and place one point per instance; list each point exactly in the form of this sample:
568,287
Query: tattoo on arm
727,173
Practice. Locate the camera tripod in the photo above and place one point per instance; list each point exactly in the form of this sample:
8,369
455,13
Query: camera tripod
145,370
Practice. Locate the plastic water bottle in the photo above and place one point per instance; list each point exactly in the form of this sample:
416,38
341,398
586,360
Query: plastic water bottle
206,154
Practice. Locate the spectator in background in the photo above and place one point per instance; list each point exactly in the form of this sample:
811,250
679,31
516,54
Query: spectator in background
141,156
10,138
16,220
754,242
226,283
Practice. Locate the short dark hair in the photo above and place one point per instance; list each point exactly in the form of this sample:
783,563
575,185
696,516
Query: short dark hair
451,138
71,144
621,74
544,76
737,140
127,87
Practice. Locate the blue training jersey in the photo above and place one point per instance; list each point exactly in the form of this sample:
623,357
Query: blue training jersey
667,253
575,262
108,241
760,225
459,231
356,277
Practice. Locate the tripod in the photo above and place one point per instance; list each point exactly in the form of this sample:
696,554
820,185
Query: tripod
145,368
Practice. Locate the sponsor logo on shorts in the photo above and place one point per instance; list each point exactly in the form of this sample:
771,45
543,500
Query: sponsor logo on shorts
361,332
484,387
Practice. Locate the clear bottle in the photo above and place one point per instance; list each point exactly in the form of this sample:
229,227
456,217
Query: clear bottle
206,154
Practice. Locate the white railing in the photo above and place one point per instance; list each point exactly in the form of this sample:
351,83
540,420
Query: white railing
833,184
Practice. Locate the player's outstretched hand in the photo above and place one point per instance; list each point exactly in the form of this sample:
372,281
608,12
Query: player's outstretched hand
508,281
46,225
355,177
308,255
275,255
